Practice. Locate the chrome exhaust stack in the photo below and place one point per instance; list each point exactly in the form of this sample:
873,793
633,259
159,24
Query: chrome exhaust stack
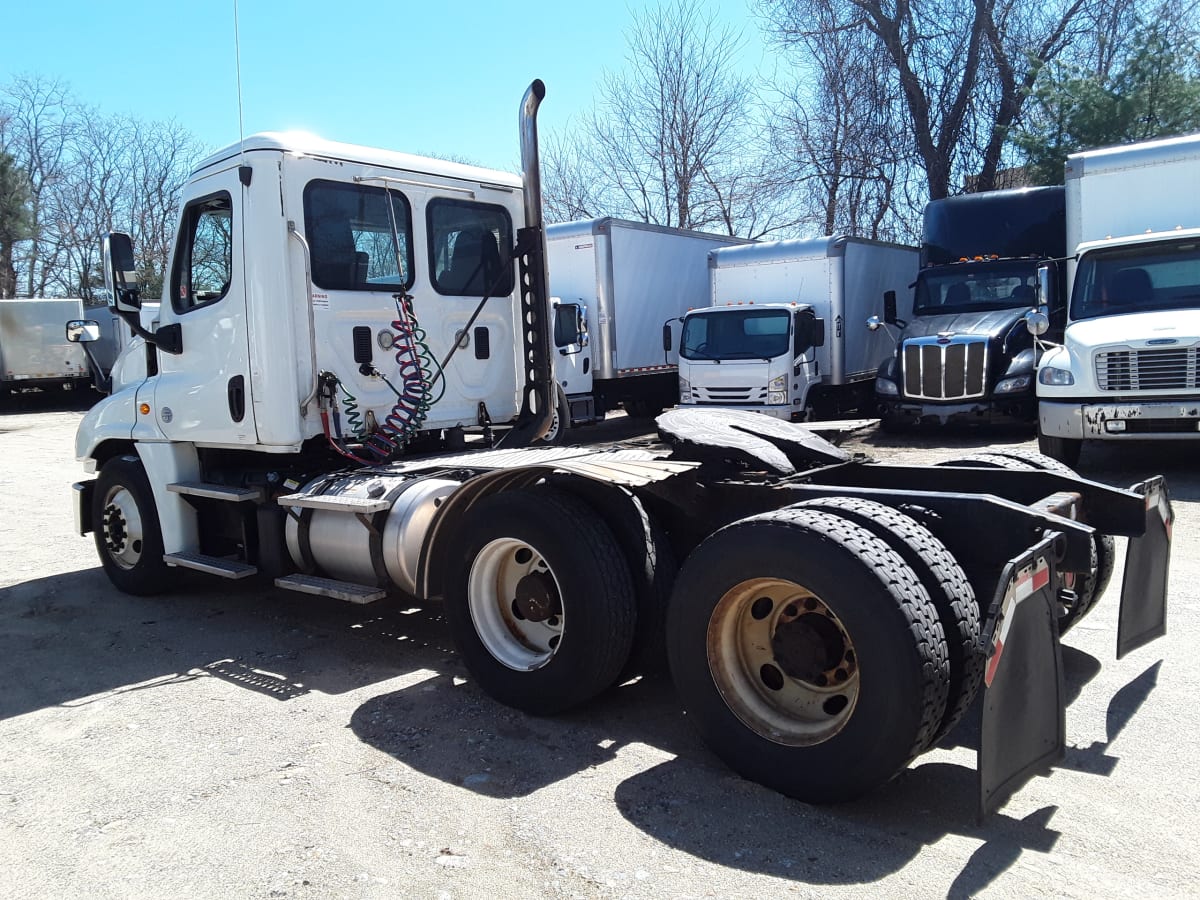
540,392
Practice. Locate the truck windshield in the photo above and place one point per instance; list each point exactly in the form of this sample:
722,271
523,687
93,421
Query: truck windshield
735,334
1141,278
967,287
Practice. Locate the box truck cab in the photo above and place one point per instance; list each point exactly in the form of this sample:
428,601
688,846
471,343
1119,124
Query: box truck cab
786,334
1127,366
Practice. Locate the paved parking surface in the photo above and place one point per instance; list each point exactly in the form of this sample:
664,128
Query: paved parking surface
238,741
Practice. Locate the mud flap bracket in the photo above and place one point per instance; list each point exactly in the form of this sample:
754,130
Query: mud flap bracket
1023,727
1144,587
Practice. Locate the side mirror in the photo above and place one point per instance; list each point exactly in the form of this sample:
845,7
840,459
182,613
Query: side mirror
1043,286
810,332
889,308
570,327
1037,322
668,338
120,273
83,331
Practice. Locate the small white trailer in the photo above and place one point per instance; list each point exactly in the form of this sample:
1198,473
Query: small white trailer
786,334
621,281
34,351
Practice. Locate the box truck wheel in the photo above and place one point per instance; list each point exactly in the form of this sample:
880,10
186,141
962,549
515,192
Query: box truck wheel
560,420
948,587
540,601
127,533
1065,450
807,653
1084,589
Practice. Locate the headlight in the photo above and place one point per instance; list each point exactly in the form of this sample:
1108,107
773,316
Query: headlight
685,388
1050,375
886,387
1012,385
775,398
778,384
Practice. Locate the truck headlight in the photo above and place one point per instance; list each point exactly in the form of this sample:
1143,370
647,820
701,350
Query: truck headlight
775,398
886,387
779,383
1012,385
1051,375
685,388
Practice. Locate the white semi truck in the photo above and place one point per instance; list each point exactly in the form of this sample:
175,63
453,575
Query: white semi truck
337,320
1128,365
34,354
616,282
786,333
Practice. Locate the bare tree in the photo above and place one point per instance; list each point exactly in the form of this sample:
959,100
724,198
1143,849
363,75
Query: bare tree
962,68
672,138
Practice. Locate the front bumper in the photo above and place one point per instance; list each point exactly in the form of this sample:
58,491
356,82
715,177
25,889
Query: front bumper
1017,408
786,413
1135,420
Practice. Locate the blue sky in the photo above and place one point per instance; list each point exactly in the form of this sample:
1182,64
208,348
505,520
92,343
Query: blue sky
421,77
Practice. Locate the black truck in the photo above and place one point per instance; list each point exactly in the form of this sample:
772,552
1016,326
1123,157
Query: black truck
965,354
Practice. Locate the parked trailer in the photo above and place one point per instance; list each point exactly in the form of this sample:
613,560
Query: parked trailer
825,619
617,283
34,354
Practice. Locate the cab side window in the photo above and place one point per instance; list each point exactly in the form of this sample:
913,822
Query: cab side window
357,242
469,246
203,266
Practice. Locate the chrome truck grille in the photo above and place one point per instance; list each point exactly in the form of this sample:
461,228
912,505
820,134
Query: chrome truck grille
1176,368
729,396
936,369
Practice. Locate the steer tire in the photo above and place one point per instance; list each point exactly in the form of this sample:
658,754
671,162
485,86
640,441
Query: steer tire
1064,450
548,665
948,587
1092,584
760,606
126,529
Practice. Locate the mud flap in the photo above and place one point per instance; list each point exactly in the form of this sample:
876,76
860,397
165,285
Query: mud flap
1144,587
1023,728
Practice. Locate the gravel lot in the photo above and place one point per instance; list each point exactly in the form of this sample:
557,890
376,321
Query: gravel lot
233,741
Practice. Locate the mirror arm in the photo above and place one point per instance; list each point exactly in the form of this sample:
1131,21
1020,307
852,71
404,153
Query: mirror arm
168,339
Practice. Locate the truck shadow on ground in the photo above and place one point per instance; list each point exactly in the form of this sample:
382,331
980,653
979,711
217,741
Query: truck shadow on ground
68,640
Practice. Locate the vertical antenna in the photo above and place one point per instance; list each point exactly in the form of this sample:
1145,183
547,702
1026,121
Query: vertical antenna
237,53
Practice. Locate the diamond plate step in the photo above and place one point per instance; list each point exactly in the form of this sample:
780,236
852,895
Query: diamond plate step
213,565
215,491
335,503
328,587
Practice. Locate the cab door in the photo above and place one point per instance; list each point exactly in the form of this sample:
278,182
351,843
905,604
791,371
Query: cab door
202,393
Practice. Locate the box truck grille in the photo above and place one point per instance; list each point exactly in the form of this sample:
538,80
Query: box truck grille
729,396
955,370
1148,370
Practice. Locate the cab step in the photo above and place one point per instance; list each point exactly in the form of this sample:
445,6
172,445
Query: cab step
335,503
329,587
216,491
213,565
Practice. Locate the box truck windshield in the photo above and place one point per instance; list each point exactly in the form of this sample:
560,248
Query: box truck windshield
735,333
1137,278
999,286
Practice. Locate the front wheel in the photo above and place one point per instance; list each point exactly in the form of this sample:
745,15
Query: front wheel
540,601
126,529
1065,450
807,653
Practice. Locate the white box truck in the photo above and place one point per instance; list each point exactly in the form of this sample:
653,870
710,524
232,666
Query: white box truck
787,332
34,351
1129,364
619,281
